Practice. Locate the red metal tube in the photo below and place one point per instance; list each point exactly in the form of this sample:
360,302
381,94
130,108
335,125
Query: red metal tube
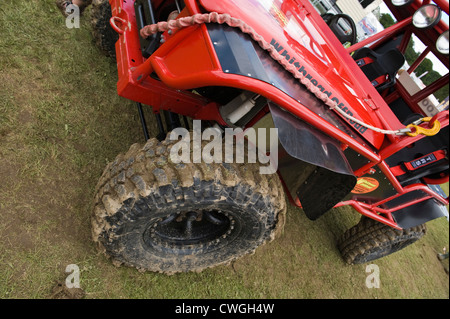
386,32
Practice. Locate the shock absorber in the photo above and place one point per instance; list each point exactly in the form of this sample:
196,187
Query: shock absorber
239,107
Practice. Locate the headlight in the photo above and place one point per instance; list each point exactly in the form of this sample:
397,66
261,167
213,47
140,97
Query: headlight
400,3
442,43
427,16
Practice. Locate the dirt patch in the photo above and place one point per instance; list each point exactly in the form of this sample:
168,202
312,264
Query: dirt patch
32,208
60,291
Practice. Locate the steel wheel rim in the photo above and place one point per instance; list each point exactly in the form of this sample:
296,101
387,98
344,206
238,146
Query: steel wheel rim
192,228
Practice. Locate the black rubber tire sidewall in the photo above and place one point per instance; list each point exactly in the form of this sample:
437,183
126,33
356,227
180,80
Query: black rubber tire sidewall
371,240
133,248
141,186
104,35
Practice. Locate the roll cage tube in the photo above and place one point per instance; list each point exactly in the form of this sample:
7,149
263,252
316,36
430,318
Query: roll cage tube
428,37
404,206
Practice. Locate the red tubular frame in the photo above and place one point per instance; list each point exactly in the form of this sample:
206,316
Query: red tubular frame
168,92
383,215
392,30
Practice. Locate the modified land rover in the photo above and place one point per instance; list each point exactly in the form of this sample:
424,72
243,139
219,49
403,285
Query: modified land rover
354,127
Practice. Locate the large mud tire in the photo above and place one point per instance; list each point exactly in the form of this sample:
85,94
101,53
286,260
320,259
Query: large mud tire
104,35
145,202
370,240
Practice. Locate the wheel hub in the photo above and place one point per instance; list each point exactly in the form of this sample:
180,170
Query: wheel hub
199,227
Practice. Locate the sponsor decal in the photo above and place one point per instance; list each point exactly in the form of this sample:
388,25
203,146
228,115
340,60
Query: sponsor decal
365,185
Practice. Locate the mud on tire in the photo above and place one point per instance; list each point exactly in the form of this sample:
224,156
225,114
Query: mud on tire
104,36
159,216
370,240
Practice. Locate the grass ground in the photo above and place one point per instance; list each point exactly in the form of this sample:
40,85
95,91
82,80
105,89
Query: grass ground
61,121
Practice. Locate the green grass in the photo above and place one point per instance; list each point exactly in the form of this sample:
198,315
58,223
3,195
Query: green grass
61,121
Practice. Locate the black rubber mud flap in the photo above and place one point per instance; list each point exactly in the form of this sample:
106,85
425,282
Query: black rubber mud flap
314,168
421,212
322,190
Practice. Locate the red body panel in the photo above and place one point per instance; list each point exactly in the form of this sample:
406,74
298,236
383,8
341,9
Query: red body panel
149,91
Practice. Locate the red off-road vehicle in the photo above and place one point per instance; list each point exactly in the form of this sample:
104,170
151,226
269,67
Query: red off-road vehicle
355,127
